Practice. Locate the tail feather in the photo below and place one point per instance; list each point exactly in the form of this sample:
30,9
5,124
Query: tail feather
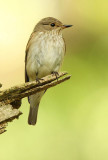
32,119
34,101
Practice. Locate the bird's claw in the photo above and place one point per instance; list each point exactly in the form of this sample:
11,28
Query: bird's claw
56,74
38,80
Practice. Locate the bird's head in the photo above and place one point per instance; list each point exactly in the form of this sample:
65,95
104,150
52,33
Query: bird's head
49,24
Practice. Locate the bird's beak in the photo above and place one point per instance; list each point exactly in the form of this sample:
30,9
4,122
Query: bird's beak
66,26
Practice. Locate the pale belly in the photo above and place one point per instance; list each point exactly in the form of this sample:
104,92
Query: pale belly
46,59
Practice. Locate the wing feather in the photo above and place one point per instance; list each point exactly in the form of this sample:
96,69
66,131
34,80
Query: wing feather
26,54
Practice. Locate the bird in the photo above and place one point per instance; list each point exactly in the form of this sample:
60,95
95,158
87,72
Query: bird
45,52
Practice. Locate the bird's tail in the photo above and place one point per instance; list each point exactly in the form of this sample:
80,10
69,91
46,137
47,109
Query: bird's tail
32,118
34,105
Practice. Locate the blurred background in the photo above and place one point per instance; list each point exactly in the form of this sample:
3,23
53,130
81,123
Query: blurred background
73,117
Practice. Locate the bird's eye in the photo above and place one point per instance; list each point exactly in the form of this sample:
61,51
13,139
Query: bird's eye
52,24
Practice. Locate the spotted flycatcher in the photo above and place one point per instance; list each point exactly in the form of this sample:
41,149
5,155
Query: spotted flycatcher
44,55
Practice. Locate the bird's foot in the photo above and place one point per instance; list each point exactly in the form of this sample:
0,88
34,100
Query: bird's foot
56,74
38,79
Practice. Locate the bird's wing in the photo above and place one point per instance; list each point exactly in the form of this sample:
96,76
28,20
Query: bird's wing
64,46
26,76
26,54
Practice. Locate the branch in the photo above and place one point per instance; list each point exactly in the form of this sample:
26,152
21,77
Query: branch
10,99
7,114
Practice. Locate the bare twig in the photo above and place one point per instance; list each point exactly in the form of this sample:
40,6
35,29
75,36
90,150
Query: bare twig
20,91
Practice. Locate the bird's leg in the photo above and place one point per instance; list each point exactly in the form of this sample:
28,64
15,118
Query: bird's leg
56,74
38,79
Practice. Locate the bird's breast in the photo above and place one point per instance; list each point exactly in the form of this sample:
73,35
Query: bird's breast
46,53
52,49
